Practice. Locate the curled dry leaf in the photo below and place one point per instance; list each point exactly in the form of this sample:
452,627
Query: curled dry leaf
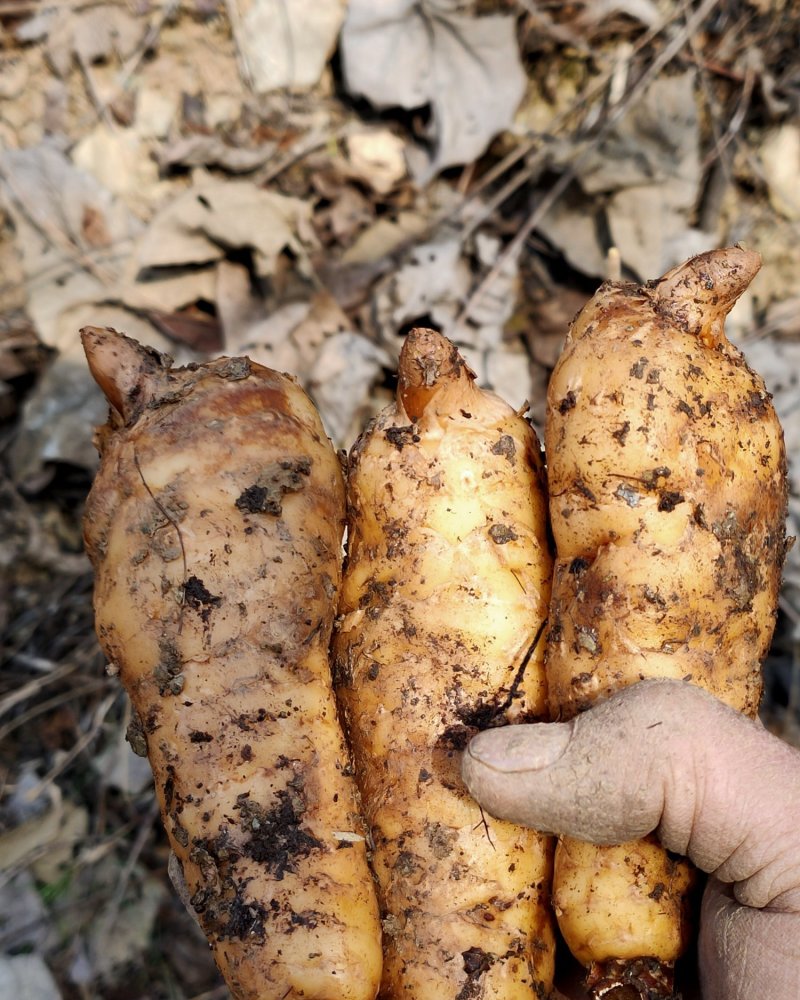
346,368
288,44
92,34
27,977
74,237
398,53
199,226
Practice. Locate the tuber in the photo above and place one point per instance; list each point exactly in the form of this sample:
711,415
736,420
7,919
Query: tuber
215,527
445,594
667,481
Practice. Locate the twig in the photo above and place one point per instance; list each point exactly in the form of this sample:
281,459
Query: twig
303,147
525,148
633,96
50,703
100,106
484,823
112,912
80,745
737,118
32,687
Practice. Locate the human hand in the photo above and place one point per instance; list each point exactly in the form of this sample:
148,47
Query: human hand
666,756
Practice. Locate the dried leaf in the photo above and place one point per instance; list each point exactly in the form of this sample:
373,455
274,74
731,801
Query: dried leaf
649,233
376,157
571,225
93,34
412,54
73,236
46,840
493,308
658,141
26,977
14,77
783,318
779,153
345,369
119,767
61,411
72,831
550,312
24,921
324,319
287,44
267,339
430,287
384,236
200,225
644,11
194,328
650,165
115,943
169,291
348,212
56,422
122,163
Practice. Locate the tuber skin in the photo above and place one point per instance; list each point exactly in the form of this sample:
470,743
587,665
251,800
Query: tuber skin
443,604
214,526
668,502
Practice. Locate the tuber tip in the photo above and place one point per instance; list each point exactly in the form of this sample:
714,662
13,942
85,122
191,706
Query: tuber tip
120,365
428,362
700,293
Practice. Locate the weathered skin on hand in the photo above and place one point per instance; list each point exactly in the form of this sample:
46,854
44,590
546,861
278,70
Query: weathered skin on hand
665,756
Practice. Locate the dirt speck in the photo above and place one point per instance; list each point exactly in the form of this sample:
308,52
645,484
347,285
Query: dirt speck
505,446
199,598
265,495
277,838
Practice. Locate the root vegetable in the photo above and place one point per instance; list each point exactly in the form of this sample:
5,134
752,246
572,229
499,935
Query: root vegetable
668,499
215,527
443,602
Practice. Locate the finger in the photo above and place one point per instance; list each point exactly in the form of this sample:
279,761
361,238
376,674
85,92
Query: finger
740,946
663,756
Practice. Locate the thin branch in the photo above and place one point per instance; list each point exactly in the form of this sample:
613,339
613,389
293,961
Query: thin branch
631,99
80,745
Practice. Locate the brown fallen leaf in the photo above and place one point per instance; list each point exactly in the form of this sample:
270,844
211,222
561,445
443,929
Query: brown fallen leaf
192,327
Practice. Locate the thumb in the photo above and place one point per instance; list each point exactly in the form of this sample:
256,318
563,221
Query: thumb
660,756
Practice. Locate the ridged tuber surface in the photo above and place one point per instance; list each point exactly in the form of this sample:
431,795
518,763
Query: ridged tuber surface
668,500
215,526
444,599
